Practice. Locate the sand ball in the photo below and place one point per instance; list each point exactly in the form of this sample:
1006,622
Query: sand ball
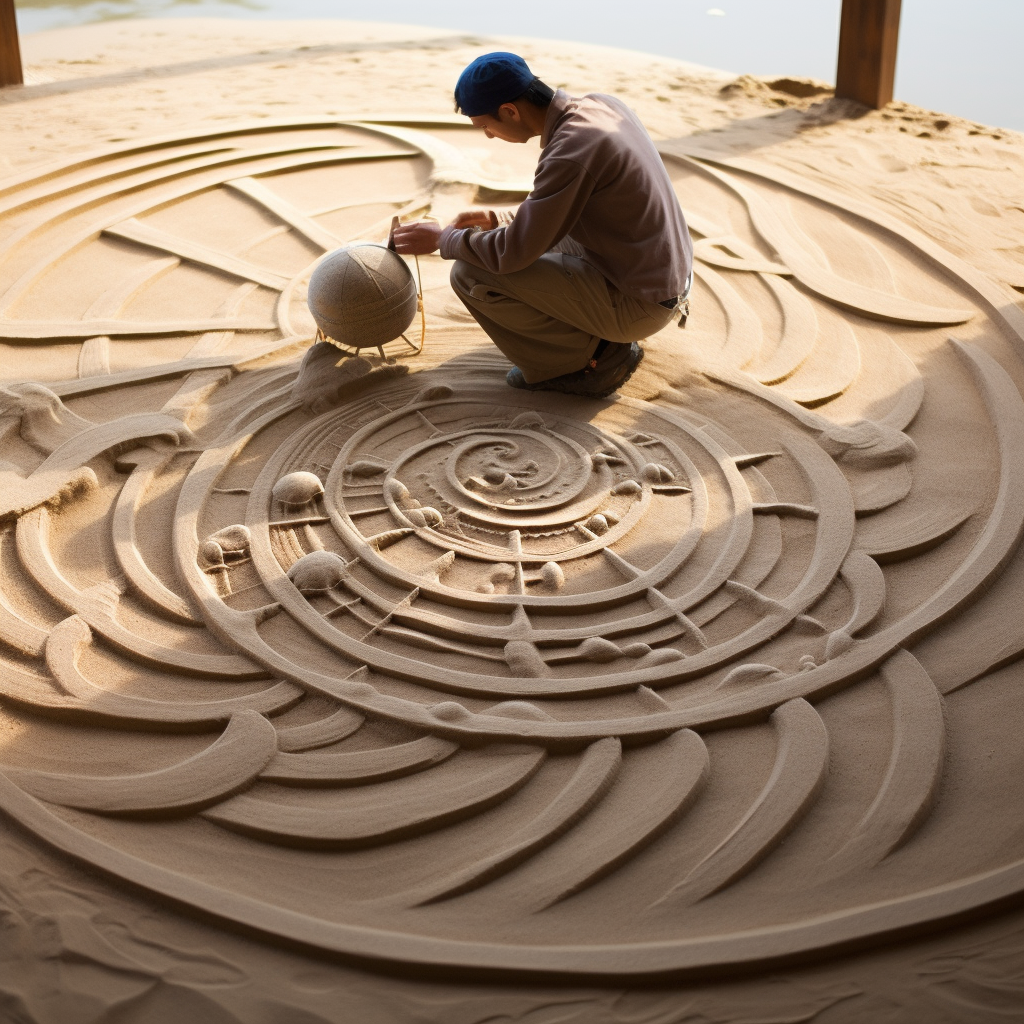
230,544
524,659
655,473
298,488
627,487
449,711
233,538
662,656
396,491
596,648
552,575
362,296
426,516
503,573
212,552
317,572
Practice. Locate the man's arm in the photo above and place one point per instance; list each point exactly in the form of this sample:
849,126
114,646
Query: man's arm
422,237
546,216
561,190
486,219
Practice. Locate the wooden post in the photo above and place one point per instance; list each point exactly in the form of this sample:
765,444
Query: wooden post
868,31
10,52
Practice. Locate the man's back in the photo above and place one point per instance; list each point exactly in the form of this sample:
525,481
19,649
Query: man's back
599,180
630,225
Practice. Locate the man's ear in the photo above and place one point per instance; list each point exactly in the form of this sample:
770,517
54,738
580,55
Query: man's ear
511,112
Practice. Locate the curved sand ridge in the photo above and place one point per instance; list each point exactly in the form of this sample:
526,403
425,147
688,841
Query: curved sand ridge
390,660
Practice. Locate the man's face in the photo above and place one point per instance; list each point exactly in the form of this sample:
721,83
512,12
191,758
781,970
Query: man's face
507,126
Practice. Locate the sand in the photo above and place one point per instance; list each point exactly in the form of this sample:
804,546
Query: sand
367,689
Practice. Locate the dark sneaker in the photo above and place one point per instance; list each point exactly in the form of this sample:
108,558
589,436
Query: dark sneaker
600,378
515,379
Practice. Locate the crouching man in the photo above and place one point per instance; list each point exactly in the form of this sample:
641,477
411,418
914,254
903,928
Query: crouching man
597,257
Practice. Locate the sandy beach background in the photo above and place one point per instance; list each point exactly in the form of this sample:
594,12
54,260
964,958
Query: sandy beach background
955,58
959,180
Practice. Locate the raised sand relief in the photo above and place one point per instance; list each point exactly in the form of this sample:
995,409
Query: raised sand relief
390,659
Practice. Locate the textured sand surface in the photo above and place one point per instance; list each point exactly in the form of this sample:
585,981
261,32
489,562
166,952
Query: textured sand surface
361,689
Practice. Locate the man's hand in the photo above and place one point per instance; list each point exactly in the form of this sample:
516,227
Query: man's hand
485,219
418,239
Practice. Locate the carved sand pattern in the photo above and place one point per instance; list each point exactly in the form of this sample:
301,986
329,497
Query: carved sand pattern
469,665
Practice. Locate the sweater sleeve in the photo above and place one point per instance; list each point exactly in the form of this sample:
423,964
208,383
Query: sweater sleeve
560,191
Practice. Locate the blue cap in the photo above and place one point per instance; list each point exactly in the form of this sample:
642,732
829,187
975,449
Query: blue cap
491,80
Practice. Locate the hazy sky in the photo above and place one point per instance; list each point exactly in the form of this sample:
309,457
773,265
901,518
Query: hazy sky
957,57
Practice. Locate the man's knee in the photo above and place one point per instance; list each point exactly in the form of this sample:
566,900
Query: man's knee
461,277
472,284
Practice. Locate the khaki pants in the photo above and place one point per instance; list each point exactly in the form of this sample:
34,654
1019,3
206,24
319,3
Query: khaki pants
549,317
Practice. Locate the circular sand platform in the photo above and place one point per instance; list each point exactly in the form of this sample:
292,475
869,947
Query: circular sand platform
380,660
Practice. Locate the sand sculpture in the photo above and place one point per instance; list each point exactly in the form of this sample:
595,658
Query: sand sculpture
392,661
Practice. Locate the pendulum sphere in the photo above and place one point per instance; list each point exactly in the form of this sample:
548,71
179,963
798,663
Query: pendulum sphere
362,296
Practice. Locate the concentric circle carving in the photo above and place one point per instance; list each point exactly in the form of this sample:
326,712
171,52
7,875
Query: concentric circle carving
457,669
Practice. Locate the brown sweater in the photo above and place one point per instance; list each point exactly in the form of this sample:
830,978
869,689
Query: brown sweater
600,181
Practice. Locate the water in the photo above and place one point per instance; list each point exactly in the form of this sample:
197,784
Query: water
955,57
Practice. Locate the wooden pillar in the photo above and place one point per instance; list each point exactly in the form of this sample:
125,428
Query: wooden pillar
10,52
868,31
